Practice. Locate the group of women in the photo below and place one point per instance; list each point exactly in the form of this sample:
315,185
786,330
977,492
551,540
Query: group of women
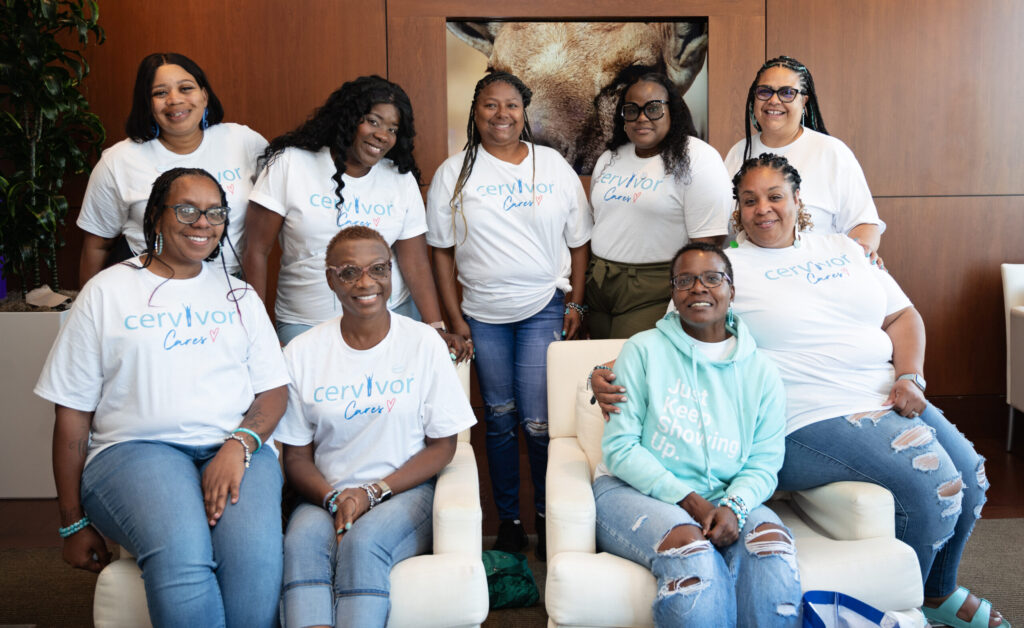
151,453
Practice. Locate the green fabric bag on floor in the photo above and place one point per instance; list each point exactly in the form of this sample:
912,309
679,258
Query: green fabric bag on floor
510,582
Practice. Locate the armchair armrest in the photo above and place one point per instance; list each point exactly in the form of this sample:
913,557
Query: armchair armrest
571,513
848,511
457,514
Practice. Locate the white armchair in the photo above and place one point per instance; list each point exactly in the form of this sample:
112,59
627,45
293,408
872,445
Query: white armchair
445,588
844,532
1013,304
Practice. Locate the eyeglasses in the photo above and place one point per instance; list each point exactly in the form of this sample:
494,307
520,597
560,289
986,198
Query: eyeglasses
189,214
710,279
352,274
786,93
653,109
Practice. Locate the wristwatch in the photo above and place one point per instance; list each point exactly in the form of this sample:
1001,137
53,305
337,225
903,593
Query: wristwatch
439,326
916,378
383,490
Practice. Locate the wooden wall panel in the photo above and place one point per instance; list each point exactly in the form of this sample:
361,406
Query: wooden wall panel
926,93
270,62
945,253
415,34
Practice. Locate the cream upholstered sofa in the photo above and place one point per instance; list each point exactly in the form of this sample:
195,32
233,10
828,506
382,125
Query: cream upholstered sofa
1013,304
445,588
844,532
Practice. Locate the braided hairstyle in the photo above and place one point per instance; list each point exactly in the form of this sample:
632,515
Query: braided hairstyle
812,113
473,136
674,147
158,199
334,125
779,164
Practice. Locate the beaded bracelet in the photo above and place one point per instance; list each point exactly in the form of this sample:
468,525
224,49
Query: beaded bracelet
331,501
599,367
74,527
581,309
371,495
245,446
736,505
255,437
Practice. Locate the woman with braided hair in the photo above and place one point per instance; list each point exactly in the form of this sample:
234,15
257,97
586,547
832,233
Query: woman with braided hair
782,105
350,164
514,218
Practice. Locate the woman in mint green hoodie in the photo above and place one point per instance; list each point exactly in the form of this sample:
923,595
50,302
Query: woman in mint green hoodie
693,455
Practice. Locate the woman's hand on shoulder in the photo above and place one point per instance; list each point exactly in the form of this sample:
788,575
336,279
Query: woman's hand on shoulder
352,504
223,478
85,549
606,393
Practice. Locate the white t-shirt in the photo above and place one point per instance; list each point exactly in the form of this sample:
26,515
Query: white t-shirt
297,184
515,254
642,215
367,412
832,184
119,186
157,359
817,309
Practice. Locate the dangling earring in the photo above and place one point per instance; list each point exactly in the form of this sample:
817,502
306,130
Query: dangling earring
159,248
730,318
155,130
205,124
803,118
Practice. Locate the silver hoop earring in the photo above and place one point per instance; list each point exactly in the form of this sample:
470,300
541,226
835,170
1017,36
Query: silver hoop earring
159,248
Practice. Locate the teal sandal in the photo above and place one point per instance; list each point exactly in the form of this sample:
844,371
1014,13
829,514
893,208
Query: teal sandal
945,614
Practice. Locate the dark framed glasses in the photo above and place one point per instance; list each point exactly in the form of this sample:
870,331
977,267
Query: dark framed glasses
710,279
188,214
786,93
653,109
351,274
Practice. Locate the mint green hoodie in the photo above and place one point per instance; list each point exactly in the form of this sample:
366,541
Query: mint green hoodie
690,424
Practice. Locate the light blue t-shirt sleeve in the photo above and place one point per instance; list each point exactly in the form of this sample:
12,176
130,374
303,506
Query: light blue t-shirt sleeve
622,447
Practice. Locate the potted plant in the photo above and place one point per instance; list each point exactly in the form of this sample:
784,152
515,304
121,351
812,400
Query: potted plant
46,133
46,128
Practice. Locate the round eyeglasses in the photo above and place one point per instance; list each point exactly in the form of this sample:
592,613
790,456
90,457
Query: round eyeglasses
653,109
351,274
786,93
189,214
710,279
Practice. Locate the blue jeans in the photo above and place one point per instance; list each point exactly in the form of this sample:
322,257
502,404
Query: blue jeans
737,585
146,496
327,583
936,479
408,309
286,332
511,366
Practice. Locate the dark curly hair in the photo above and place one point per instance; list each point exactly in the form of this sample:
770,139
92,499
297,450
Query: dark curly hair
140,125
674,148
334,125
812,113
781,165
473,134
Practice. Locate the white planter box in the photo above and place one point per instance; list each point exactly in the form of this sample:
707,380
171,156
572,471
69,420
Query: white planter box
26,421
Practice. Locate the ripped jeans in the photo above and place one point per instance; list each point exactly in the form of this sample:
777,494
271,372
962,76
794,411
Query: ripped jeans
937,479
511,366
736,586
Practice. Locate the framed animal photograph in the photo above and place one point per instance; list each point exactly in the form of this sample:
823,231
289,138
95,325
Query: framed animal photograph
577,71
